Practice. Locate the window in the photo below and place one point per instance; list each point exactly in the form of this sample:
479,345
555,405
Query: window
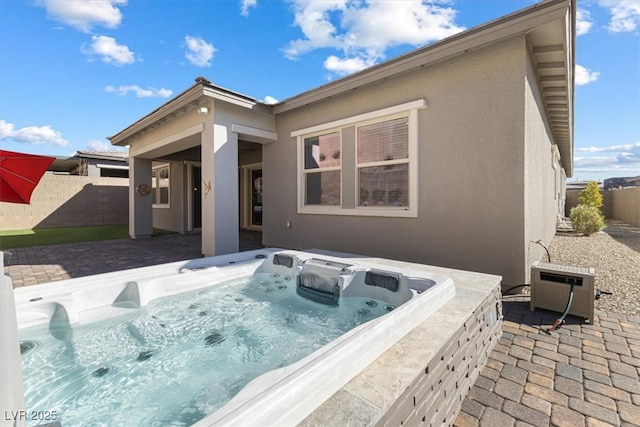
361,165
322,169
160,186
383,163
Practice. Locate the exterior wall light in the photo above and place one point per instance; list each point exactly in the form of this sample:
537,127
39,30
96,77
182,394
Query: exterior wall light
203,110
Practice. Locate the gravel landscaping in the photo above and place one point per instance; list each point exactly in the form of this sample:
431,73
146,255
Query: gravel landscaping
614,253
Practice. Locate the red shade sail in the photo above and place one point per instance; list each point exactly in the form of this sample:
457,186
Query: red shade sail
20,174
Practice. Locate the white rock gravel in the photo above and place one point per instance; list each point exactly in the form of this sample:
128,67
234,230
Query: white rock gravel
614,253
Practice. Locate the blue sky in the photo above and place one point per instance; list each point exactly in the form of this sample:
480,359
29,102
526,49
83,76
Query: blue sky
73,72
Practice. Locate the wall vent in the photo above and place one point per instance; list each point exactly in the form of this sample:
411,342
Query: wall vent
551,283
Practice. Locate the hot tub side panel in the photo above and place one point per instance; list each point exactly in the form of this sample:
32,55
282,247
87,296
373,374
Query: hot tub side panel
425,377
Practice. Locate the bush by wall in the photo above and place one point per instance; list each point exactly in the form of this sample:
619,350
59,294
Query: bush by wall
586,219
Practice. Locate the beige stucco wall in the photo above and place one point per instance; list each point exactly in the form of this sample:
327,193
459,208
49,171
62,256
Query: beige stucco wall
173,217
68,201
471,176
177,134
542,175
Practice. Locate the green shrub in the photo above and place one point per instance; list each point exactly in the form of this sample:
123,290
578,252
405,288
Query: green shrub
591,195
586,219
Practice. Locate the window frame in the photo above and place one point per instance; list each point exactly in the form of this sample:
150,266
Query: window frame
408,110
155,185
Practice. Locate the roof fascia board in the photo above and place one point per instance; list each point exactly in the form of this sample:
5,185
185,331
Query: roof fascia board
571,22
510,26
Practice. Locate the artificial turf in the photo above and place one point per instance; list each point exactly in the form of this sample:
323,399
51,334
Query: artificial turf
51,236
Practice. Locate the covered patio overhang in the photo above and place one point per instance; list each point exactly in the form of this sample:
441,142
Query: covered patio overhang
200,128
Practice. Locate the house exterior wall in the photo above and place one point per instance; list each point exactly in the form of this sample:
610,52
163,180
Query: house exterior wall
173,217
471,208
542,193
177,134
221,207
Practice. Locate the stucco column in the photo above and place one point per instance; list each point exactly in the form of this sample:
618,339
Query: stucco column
220,203
208,190
140,207
227,220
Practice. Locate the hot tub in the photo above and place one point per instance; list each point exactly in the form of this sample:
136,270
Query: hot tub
282,396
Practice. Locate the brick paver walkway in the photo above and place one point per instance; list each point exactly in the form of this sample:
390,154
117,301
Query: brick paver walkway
580,375
42,264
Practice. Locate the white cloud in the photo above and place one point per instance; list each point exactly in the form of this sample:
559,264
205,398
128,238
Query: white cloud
270,100
625,14
246,5
346,66
621,159
103,146
84,14
585,76
364,30
140,92
613,148
199,52
584,22
32,135
110,51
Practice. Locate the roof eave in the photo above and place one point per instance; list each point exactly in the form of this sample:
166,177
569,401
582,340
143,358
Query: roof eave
518,23
185,101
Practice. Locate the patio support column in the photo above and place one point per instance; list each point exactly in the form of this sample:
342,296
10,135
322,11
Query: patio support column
140,207
220,205
208,191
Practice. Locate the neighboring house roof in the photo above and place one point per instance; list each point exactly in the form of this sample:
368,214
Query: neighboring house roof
621,182
549,26
70,164
103,155
580,185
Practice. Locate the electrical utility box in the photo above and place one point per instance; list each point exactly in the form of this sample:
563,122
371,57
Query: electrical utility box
551,283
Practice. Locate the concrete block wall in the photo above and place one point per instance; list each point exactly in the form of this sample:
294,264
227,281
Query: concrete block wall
69,201
573,200
435,397
626,205
622,204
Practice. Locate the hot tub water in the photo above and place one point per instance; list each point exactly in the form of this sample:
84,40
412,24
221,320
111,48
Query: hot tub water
181,357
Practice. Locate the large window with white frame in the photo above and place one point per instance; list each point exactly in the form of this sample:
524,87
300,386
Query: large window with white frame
380,176
160,187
